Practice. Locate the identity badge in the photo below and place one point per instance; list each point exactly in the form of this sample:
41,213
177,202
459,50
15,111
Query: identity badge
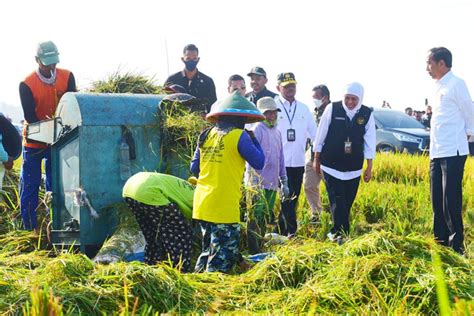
290,135
347,147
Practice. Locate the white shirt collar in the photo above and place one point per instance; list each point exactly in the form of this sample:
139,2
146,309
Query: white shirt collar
286,102
447,76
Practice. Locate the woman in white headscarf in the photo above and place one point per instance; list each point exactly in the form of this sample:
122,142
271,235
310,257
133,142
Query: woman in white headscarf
346,136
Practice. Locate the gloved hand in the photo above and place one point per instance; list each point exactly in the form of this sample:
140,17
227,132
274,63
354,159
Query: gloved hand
284,189
193,180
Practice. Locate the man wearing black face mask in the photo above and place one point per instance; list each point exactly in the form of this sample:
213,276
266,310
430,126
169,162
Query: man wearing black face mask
195,82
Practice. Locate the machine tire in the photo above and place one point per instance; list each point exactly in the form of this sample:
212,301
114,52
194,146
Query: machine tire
386,149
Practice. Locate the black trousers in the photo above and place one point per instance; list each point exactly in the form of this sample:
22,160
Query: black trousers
446,198
287,219
341,195
168,234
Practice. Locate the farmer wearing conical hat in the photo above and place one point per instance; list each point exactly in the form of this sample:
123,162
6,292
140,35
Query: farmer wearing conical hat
219,163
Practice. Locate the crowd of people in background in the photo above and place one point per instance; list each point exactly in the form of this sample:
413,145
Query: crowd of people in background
424,117
280,143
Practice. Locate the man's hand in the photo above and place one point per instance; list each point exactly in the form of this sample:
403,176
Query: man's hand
317,163
284,189
9,163
368,171
367,174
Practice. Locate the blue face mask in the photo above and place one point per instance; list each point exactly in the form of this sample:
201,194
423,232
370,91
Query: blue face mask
191,64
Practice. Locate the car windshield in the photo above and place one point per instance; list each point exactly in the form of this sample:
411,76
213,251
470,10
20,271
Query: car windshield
395,119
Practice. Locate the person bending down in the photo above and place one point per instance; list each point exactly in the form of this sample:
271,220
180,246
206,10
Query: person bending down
162,205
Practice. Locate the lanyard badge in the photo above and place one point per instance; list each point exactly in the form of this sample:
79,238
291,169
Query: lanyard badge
291,132
291,135
348,147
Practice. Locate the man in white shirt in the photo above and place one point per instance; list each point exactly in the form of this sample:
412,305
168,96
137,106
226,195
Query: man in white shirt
296,125
346,136
452,123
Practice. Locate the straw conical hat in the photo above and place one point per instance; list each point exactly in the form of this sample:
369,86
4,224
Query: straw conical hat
235,105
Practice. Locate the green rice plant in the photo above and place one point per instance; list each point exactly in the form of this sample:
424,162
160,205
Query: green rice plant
126,82
180,129
67,268
43,303
376,273
379,272
401,168
18,241
441,289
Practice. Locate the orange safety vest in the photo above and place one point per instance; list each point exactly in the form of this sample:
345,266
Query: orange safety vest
46,98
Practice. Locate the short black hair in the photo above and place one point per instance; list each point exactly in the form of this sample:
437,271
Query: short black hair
190,47
324,90
235,78
442,53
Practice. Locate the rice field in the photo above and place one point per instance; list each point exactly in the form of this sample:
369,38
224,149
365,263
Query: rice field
389,265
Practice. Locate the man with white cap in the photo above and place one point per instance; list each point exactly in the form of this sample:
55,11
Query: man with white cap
297,125
272,176
40,93
346,136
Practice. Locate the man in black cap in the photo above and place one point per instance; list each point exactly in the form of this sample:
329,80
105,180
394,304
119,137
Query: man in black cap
195,82
296,125
258,80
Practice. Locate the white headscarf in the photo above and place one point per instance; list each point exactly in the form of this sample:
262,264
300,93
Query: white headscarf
356,89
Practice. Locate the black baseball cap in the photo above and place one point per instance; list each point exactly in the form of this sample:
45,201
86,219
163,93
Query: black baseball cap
286,78
257,71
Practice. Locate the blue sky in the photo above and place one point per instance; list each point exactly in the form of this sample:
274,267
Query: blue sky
381,44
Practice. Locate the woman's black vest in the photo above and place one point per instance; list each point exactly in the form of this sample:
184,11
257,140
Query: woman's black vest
341,129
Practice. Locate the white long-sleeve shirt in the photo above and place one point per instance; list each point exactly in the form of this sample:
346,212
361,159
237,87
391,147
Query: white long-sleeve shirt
369,143
302,121
453,118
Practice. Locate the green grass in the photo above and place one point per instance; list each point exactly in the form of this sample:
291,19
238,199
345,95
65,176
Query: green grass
385,267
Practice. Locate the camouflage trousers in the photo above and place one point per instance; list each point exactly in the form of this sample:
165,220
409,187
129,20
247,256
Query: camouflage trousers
220,247
168,234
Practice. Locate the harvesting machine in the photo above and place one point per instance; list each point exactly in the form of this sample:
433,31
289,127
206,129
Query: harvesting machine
88,135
